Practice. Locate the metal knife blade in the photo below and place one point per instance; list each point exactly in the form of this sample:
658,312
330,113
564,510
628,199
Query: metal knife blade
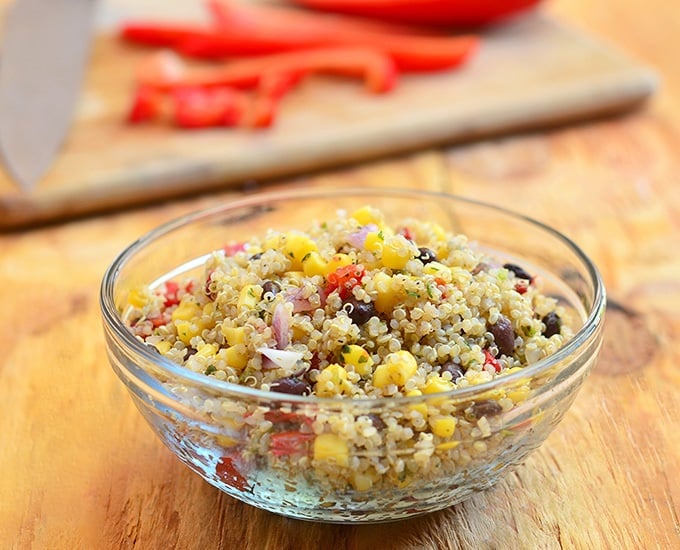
43,54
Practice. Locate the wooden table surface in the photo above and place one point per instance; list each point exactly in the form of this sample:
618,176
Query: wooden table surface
79,468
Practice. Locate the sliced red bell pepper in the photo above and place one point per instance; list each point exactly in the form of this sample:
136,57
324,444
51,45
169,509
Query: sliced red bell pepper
207,107
228,469
489,359
429,12
344,279
377,69
147,105
245,33
289,443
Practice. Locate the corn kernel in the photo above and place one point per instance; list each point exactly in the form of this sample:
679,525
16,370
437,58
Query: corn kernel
186,330
163,347
249,296
447,445
137,297
233,335
437,384
396,252
225,441
374,242
186,311
519,394
357,357
314,264
337,261
331,448
337,376
386,295
297,246
236,356
443,426
207,350
418,407
397,369
367,214
362,482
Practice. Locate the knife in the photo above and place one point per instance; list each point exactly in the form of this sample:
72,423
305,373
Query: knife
43,54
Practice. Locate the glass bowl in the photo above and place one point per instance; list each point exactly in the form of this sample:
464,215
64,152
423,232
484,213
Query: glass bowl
224,431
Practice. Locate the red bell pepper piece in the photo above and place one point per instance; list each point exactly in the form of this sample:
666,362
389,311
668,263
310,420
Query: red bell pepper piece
228,469
147,104
428,12
289,443
377,70
207,107
491,360
344,279
246,31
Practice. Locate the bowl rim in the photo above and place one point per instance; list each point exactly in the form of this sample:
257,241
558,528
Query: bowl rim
177,373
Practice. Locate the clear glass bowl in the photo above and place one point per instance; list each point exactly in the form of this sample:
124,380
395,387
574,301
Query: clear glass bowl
209,424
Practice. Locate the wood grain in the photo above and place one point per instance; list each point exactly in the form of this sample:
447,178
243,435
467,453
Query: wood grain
79,468
535,72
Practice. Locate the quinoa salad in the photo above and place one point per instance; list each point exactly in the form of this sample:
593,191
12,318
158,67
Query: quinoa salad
353,309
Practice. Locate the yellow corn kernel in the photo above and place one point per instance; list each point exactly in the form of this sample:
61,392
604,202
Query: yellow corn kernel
186,330
225,441
249,296
337,376
374,242
233,335
235,356
272,243
357,357
442,426
331,448
447,445
397,369
337,261
419,407
396,252
438,270
207,350
314,264
186,311
362,482
163,346
297,246
519,394
368,214
437,384
386,295
137,297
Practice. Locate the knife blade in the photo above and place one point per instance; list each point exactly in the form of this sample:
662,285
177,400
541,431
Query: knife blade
43,54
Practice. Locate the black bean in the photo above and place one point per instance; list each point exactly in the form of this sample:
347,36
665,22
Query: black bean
190,352
291,385
518,271
271,287
485,408
454,369
553,324
377,422
503,335
426,255
359,311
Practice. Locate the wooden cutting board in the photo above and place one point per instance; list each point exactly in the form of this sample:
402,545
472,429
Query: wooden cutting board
530,73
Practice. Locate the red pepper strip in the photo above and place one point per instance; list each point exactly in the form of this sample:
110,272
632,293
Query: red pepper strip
268,95
430,12
415,53
147,104
289,443
228,471
491,360
205,107
345,279
377,69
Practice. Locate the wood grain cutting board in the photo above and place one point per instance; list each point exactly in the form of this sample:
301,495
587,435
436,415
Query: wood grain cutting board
530,73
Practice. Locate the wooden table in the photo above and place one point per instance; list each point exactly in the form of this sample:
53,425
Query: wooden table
79,468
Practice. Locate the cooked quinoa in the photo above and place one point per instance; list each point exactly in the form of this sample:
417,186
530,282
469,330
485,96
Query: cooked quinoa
357,309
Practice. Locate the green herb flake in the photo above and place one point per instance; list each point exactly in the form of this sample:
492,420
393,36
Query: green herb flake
305,257
429,291
210,369
345,349
363,359
381,235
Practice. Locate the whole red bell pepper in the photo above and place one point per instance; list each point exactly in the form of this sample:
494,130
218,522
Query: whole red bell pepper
427,12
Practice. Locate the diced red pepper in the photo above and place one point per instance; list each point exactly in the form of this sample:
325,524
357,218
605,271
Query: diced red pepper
407,233
522,286
206,107
289,443
170,293
232,248
344,279
147,105
227,469
489,359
